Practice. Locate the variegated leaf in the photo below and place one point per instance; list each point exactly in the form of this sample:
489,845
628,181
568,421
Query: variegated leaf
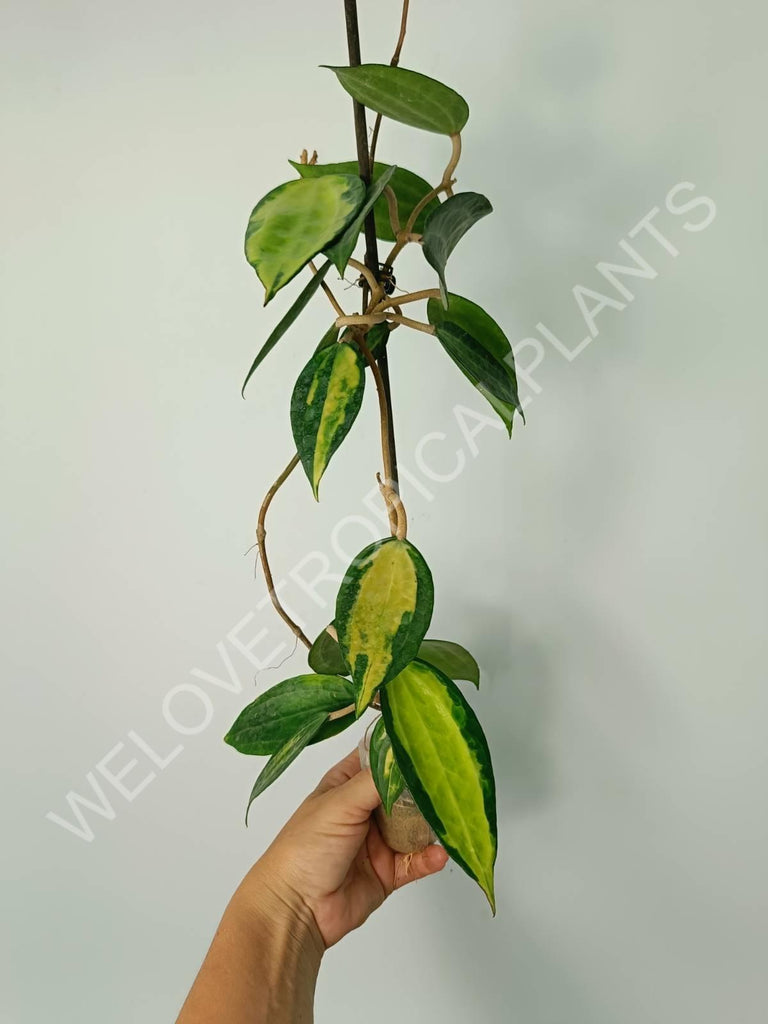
285,756
342,248
296,221
472,319
408,187
443,755
324,404
383,610
387,776
405,96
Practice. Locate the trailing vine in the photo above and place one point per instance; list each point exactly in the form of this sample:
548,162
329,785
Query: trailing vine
428,742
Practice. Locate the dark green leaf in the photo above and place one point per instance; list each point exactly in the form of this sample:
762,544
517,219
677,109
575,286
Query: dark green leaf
452,659
330,337
383,610
324,405
490,376
288,753
295,222
377,337
333,727
304,296
407,186
443,755
325,656
386,775
341,250
484,329
447,226
405,96
269,721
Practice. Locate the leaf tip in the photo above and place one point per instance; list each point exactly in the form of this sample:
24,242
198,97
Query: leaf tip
491,897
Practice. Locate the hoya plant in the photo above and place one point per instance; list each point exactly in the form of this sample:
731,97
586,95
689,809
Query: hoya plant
427,751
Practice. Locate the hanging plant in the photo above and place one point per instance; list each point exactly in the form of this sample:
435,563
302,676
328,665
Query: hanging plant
428,754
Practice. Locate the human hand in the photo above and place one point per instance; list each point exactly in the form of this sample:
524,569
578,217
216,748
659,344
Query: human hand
330,857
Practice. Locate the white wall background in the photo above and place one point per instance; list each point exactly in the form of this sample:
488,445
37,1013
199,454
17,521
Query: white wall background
607,566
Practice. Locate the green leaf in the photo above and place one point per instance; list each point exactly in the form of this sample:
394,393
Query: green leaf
387,776
341,250
405,96
333,726
447,226
486,332
269,721
443,755
383,610
286,755
290,317
377,337
296,221
452,659
488,374
407,186
325,656
330,337
324,405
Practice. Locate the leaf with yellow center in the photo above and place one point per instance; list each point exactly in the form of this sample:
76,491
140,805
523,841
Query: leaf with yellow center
443,755
383,610
324,405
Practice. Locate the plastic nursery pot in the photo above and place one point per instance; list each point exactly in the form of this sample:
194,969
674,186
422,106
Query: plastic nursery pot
405,830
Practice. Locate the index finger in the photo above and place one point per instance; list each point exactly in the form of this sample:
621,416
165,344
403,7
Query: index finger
342,772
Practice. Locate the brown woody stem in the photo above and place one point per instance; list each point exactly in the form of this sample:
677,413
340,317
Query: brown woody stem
389,452
261,540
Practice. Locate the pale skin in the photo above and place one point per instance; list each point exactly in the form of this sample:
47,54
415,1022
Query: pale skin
325,873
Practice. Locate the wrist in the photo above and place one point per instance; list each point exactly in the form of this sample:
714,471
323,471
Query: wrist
278,920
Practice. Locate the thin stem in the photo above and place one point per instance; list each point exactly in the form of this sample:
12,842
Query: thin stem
395,508
361,133
261,540
328,292
400,300
371,279
361,320
394,214
384,419
446,185
371,248
393,63
417,325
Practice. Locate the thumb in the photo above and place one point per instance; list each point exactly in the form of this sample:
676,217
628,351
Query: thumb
409,868
355,799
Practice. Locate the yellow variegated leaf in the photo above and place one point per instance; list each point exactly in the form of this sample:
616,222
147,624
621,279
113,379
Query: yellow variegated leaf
386,775
295,221
383,610
444,758
324,404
